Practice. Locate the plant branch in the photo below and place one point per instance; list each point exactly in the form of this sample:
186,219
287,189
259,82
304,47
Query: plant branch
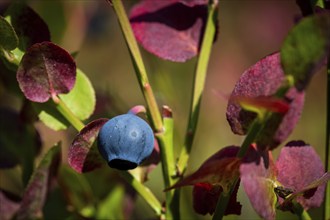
199,81
165,140
139,67
67,113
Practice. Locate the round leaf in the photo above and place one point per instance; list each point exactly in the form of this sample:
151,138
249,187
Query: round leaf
299,165
169,29
263,79
46,70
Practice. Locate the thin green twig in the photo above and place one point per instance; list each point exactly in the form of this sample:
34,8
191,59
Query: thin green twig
68,114
165,140
199,81
139,67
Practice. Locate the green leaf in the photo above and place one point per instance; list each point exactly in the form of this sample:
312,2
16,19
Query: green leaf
112,206
80,100
305,48
8,37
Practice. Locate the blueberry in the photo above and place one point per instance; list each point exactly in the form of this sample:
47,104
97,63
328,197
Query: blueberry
125,141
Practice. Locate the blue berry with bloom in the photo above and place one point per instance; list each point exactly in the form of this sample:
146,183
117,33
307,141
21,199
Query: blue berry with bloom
125,141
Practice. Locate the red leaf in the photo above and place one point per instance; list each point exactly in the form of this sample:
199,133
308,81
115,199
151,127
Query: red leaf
221,168
257,179
263,79
83,156
46,70
298,166
170,29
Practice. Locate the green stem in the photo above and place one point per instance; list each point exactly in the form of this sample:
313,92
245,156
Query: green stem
224,198
223,202
139,67
300,211
165,139
148,196
199,81
68,114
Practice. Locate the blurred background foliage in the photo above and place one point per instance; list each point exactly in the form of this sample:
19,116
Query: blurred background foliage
248,31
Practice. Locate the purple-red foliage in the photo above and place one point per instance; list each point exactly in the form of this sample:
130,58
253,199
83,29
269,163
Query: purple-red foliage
170,29
299,165
257,175
264,79
83,156
45,71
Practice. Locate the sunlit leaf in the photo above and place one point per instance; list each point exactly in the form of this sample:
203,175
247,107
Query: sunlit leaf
298,166
83,154
264,79
8,37
35,194
46,70
257,179
25,22
169,29
221,169
305,48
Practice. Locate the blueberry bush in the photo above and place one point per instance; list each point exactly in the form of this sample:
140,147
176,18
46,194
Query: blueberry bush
72,150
